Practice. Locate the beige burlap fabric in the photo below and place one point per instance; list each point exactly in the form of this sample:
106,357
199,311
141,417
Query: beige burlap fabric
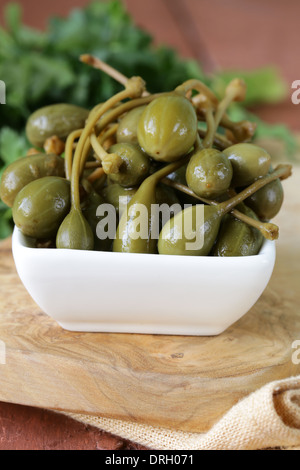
268,418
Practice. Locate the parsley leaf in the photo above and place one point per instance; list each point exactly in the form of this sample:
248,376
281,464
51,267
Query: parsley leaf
12,145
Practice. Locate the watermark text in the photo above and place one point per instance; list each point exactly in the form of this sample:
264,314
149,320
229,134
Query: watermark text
296,353
145,221
2,353
2,92
296,94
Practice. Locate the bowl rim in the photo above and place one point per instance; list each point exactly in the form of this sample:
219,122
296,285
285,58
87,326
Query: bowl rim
26,244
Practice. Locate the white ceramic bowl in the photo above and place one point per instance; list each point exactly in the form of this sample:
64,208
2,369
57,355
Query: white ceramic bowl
136,293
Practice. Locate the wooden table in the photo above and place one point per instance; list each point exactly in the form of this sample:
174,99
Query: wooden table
219,36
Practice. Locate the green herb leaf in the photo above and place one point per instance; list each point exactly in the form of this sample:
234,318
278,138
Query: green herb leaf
6,225
12,145
264,85
13,17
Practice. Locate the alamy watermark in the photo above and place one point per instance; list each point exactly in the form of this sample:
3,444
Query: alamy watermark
2,353
296,353
296,94
141,221
2,92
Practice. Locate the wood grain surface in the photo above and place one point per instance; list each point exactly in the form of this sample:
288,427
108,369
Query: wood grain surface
184,383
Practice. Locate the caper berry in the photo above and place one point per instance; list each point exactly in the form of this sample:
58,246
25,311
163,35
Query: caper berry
167,129
41,205
135,166
267,202
27,169
127,130
209,173
237,238
249,162
56,119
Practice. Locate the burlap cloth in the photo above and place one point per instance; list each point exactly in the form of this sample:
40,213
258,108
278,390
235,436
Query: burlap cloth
269,418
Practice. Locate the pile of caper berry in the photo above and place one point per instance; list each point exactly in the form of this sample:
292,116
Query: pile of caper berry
177,149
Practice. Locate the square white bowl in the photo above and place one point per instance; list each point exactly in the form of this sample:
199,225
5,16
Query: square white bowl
137,293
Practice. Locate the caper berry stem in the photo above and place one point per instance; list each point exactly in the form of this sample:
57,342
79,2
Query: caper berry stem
205,107
69,151
108,69
100,65
98,173
134,89
199,86
210,131
101,139
243,131
92,165
110,162
198,144
235,91
282,171
220,141
268,230
210,127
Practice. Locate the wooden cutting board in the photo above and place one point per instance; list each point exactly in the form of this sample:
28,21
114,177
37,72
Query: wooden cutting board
184,383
